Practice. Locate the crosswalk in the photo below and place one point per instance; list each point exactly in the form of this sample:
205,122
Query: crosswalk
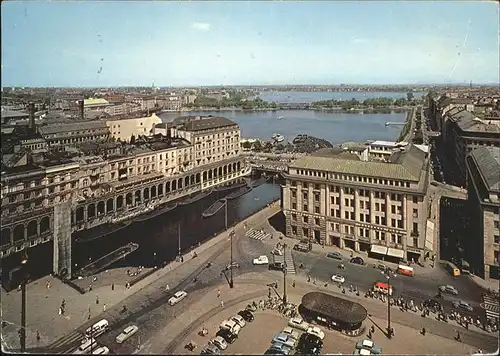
287,258
491,307
257,234
67,342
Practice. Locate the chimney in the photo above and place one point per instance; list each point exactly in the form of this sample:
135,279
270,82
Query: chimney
80,109
31,110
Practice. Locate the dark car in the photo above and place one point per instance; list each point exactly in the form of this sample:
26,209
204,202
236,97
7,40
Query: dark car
309,344
433,304
246,315
463,306
334,255
357,261
274,351
277,266
227,335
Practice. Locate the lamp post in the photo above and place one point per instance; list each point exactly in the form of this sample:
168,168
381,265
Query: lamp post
179,241
389,329
284,275
22,333
231,282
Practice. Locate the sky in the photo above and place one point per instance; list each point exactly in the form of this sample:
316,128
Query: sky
99,43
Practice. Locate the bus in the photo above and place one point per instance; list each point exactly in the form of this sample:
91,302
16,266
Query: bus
464,266
454,271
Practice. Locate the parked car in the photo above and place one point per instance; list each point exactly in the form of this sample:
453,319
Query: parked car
298,323
337,278
127,333
261,260
362,352
380,266
103,350
210,349
369,345
227,335
284,339
448,289
277,266
291,332
219,342
334,255
314,330
303,247
238,319
286,349
247,315
274,351
177,297
309,344
230,325
357,260
463,306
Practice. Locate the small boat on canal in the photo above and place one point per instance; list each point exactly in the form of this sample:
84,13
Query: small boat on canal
195,198
214,208
162,209
100,231
230,187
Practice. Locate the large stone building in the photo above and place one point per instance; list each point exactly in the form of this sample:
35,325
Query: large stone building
60,135
124,128
483,188
49,196
357,201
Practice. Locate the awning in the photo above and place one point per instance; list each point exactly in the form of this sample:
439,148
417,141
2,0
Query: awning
379,249
394,252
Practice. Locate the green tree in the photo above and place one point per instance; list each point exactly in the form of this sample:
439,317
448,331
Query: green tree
409,96
246,145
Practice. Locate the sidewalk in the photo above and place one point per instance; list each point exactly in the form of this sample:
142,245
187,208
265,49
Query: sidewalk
491,284
43,304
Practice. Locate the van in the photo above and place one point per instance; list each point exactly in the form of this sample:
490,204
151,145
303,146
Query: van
97,329
85,347
382,287
101,351
405,270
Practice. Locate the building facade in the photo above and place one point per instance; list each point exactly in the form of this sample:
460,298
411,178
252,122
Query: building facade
483,198
123,129
57,136
366,205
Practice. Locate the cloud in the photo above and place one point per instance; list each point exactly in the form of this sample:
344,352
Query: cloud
360,40
201,26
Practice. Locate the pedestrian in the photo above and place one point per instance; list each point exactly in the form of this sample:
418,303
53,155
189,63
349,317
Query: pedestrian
60,311
182,258
167,288
63,303
423,331
19,288
218,293
372,329
97,300
222,303
90,288
104,307
37,336
112,286
293,284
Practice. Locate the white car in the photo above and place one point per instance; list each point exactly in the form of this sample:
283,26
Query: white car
277,252
298,323
294,334
127,333
239,320
337,278
101,351
178,296
314,330
230,325
261,260
219,342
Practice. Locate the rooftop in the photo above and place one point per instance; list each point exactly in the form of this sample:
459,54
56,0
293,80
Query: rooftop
208,123
404,164
74,126
95,102
488,163
470,123
338,309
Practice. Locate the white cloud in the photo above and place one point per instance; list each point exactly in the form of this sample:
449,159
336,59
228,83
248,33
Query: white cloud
201,26
360,40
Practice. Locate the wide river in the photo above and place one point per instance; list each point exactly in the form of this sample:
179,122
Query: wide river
336,127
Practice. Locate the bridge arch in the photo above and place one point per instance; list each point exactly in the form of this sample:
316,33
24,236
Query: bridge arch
174,185
209,174
5,236
110,206
168,187
238,165
224,169
160,190
32,228
91,211
45,224
198,177
19,233
101,208
119,202
138,197
153,191
179,183
186,181
219,172
128,199
80,215
146,193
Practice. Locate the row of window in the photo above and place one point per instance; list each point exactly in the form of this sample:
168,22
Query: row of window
353,178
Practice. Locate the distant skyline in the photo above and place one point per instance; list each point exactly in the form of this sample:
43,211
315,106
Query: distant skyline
103,44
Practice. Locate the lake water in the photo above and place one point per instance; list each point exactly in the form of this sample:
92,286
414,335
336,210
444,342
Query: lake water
335,127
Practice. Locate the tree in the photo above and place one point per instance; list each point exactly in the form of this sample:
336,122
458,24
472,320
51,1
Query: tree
132,140
409,96
246,145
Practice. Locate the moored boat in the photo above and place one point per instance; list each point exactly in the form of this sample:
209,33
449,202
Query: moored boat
196,197
100,231
230,187
214,208
239,193
162,209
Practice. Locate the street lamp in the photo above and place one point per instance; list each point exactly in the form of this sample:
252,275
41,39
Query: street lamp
231,234
284,275
154,259
389,329
22,333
